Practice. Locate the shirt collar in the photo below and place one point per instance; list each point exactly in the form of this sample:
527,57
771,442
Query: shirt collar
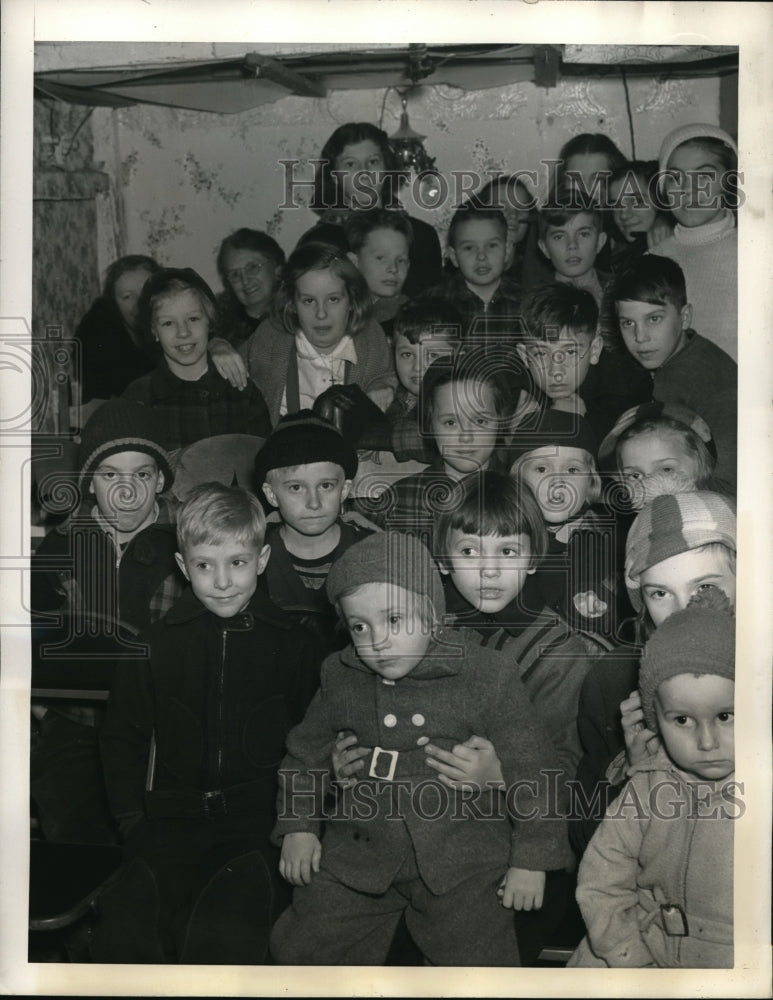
343,351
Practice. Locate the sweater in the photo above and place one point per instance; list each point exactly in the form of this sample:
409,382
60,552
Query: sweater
655,886
705,379
457,690
708,255
220,695
268,353
203,408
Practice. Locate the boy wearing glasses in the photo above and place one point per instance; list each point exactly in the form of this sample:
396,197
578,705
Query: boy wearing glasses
568,366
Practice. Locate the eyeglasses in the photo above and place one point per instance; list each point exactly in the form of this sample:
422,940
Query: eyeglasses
241,275
563,356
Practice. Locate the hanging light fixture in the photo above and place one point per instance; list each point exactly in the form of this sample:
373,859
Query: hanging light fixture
408,147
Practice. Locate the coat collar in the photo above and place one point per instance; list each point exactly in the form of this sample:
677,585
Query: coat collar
189,608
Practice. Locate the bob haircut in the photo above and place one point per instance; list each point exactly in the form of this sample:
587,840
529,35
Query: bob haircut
214,514
249,239
551,308
692,441
472,211
166,282
327,193
491,503
653,279
122,266
590,144
361,224
322,257
433,315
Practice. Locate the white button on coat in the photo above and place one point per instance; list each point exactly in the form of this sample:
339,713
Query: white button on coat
422,741
390,720
418,719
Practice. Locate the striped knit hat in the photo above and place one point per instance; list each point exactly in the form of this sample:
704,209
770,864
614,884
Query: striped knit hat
122,425
653,411
698,640
687,132
670,525
388,557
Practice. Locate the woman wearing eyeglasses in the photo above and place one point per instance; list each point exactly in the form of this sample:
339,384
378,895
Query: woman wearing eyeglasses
249,263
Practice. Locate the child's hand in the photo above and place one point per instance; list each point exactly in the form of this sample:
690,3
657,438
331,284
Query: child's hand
659,232
640,742
589,604
469,765
522,889
347,758
301,854
228,362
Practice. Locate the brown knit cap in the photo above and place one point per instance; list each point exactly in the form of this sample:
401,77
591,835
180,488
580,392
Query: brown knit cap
698,640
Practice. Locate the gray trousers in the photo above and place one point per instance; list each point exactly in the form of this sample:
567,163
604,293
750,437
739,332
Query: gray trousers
330,923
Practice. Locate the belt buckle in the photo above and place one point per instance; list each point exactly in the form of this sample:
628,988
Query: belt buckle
392,754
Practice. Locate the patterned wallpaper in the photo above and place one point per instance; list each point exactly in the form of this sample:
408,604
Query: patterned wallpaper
182,180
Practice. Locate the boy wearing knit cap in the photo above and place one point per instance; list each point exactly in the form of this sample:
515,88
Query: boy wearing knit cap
557,461
305,469
678,547
400,840
655,885
112,560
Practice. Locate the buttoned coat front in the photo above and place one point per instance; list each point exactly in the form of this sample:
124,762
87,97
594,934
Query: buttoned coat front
457,690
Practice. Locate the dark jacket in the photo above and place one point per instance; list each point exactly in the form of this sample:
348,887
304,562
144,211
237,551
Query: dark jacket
456,691
499,319
220,694
75,567
283,587
109,358
204,408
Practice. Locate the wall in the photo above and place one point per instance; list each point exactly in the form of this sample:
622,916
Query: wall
182,180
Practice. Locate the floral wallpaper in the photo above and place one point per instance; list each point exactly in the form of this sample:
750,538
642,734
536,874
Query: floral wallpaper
182,180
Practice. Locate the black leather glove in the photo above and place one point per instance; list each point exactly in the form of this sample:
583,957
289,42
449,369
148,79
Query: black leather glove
358,418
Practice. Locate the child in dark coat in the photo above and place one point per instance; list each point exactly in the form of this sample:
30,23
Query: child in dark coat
399,841
190,750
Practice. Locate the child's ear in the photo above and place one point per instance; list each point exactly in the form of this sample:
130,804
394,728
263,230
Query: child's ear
596,346
686,316
601,239
269,494
353,257
265,552
452,257
543,247
181,563
345,489
91,485
161,482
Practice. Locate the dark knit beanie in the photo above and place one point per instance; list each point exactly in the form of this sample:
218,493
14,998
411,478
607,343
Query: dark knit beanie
655,411
698,640
556,428
388,557
670,525
122,425
303,438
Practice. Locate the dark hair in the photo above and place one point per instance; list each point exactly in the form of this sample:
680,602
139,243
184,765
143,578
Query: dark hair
491,194
417,316
249,239
326,191
558,212
122,266
329,233
549,308
321,257
590,144
470,212
491,503
170,281
361,224
476,365
653,279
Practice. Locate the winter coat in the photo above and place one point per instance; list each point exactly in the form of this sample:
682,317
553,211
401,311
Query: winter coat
655,886
220,694
109,358
457,690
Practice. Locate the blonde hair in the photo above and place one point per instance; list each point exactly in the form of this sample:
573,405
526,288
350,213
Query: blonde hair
213,513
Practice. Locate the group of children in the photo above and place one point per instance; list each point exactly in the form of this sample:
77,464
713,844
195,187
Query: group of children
472,613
